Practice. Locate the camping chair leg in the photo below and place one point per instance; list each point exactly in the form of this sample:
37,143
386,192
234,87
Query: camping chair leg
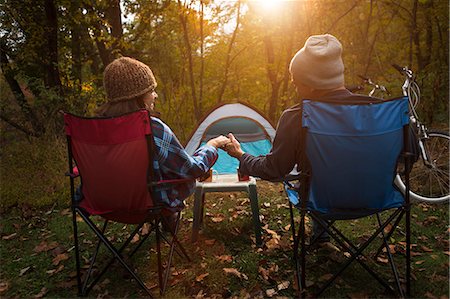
77,253
116,254
94,258
158,253
112,260
295,250
354,254
408,249
175,240
198,213
390,258
303,250
175,243
253,194
391,231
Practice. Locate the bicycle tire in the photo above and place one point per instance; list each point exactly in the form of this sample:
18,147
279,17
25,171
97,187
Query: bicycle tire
430,184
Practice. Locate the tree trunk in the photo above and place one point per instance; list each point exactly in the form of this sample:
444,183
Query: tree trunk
52,69
416,36
228,58
187,42
114,17
202,58
272,75
28,113
76,45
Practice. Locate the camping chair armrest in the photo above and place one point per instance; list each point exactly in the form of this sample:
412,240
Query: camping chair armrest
170,182
74,174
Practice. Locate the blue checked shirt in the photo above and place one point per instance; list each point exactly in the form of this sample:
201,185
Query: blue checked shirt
171,161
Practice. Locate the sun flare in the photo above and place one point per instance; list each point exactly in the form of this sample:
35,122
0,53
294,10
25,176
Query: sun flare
269,5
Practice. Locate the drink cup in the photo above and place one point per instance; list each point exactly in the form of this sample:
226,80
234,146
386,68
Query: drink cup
242,177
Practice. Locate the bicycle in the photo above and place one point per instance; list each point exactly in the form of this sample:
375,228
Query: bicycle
429,177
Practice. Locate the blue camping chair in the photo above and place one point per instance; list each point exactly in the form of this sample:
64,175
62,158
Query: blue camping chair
349,159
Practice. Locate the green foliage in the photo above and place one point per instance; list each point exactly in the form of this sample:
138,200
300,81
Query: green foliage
32,172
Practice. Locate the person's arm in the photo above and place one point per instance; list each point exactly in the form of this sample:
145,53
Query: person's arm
283,156
174,161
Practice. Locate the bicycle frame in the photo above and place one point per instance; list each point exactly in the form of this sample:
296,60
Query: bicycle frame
422,129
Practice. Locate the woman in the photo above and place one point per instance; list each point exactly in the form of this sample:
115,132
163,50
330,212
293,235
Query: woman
130,85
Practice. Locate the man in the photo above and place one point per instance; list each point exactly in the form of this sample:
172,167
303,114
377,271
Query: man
317,72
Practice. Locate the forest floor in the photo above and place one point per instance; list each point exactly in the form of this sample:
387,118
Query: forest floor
37,254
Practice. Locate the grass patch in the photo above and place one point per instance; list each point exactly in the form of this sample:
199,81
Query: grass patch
226,244
32,172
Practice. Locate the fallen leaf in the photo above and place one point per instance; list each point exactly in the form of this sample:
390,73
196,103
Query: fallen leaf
426,249
224,258
210,242
358,296
264,273
429,295
43,246
270,292
4,286
135,239
42,293
266,204
272,244
325,277
9,237
201,277
429,220
59,258
24,270
283,285
145,229
447,252
66,212
388,228
235,272
382,260
287,227
217,219
200,295
54,271
419,262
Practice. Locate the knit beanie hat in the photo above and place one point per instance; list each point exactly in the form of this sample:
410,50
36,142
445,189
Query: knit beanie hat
319,63
126,78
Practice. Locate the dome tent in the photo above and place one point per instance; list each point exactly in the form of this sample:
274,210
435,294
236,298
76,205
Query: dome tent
254,132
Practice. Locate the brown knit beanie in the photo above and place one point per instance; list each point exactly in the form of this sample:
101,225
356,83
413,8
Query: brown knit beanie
126,78
319,63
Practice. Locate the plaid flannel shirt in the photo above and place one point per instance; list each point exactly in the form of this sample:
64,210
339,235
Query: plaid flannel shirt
171,161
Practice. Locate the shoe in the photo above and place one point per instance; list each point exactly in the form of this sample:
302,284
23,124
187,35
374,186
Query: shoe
169,225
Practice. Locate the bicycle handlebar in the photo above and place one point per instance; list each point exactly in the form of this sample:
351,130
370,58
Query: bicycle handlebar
398,68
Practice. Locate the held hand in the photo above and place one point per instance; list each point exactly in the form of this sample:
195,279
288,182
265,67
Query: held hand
234,147
219,142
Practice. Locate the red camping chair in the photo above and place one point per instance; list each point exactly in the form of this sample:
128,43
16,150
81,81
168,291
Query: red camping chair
113,158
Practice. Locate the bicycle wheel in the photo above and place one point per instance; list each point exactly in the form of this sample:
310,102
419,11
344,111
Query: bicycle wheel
430,183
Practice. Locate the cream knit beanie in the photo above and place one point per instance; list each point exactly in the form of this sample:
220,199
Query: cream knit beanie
319,63
126,78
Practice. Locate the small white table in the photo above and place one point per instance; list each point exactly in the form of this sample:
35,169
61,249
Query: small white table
225,183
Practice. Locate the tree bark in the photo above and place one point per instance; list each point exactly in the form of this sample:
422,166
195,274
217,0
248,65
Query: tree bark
228,58
53,77
38,128
76,45
202,56
273,78
187,42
